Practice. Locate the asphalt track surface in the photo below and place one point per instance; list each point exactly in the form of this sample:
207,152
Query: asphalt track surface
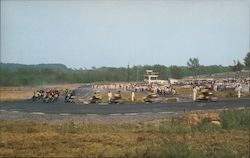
60,107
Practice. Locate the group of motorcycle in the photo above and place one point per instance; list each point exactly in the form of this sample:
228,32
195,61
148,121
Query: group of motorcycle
203,95
97,97
53,95
46,96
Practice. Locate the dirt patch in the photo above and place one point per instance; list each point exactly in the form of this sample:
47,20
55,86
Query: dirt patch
22,93
15,94
195,118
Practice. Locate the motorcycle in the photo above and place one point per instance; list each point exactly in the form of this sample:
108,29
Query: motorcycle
51,96
206,95
38,94
152,98
96,99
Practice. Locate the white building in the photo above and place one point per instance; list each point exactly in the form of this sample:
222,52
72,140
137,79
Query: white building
173,81
152,77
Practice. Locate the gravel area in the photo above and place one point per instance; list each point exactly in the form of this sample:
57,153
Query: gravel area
103,119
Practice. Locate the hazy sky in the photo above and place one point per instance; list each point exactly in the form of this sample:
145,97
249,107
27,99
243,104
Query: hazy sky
115,33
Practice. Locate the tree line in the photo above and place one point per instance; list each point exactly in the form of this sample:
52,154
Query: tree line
43,74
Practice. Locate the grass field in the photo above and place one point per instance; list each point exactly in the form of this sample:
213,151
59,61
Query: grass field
174,137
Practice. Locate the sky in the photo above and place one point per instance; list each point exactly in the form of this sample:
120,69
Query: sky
82,34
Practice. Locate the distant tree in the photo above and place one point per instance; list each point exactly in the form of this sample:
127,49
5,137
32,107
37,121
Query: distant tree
18,75
237,66
162,70
128,74
193,65
175,71
247,60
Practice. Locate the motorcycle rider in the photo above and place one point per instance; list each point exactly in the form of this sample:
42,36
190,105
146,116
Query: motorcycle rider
117,98
69,95
118,95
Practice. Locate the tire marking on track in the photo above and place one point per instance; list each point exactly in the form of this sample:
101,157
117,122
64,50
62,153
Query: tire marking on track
118,114
201,104
166,112
37,113
65,114
130,114
219,109
103,103
87,93
146,113
15,111
2,110
92,114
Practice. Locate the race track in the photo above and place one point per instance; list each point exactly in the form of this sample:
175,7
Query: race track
60,107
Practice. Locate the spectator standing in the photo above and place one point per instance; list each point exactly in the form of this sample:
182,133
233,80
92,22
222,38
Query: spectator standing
239,90
173,91
133,96
109,96
194,93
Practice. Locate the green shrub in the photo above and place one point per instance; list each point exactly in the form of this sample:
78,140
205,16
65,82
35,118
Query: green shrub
205,126
235,119
175,126
178,129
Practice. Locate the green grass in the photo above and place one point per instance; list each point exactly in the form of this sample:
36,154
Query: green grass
176,125
235,119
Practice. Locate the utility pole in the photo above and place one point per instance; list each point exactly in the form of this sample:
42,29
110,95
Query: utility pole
136,63
128,74
136,73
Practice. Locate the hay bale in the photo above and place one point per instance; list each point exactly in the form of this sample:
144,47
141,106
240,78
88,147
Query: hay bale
216,123
194,119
